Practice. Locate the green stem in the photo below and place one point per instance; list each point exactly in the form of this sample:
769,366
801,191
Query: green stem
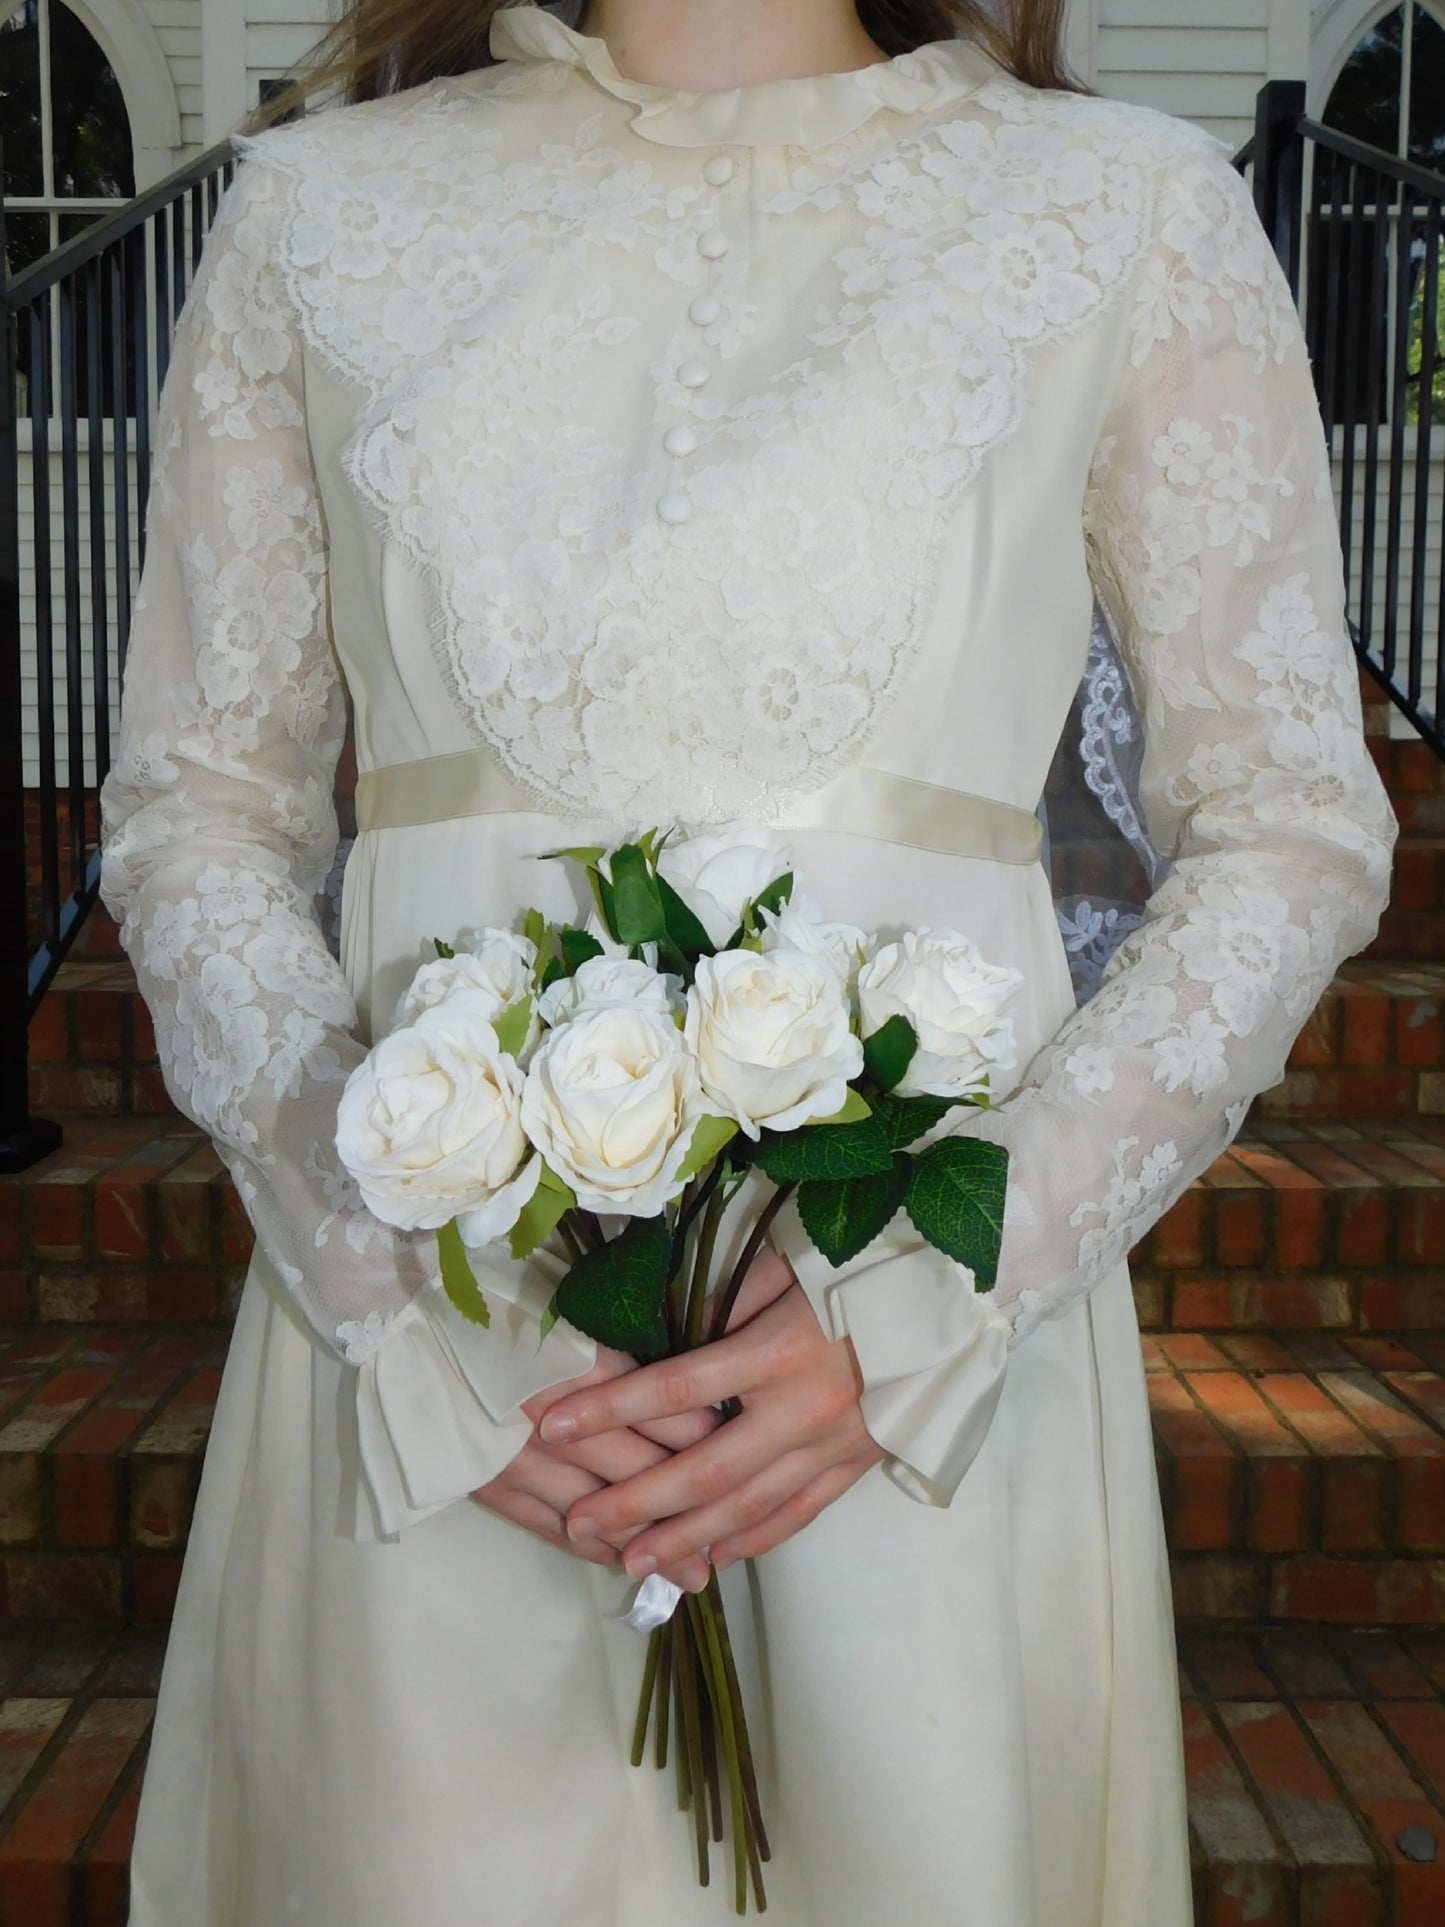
713,1598
684,1781
750,1251
692,1728
569,1238
705,1632
644,1701
664,1694
702,1265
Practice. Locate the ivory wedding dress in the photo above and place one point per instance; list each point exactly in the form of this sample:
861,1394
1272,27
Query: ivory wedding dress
628,456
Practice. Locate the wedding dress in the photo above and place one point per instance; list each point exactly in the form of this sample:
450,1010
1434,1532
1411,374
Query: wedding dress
643,456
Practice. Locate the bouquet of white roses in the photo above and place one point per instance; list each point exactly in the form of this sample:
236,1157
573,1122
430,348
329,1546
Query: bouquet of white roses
609,1085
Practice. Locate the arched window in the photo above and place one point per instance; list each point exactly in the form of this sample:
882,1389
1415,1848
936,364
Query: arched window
68,155
1391,93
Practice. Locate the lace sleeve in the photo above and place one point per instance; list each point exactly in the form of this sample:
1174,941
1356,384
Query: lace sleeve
218,829
1215,550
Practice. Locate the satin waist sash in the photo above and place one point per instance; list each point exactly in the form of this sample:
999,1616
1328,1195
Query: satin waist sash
859,802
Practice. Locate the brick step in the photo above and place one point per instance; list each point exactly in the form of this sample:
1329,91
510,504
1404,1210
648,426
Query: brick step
1308,1195
1316,1772
1302,1477
92,1047
1415,777
131,1219
1375,1047
102,1433
1310,1757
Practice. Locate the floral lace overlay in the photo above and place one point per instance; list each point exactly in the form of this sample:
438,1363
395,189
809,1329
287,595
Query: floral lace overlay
773,626
1216,555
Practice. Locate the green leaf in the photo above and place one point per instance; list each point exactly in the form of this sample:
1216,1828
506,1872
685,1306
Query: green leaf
457,1279
513,1024
606,903
443,949
548,1319
772,899
683,927
588,855
534,928
651,842
907,1118
638,914
615,1294
829,1152
844,1219
555,969
709,1137
541,1214
888,1051
578,947
956,1200
855,1107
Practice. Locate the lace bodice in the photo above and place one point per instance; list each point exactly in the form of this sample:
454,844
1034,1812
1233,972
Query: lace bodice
670,468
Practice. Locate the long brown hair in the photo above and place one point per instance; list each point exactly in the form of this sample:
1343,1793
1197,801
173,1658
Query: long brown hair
381,46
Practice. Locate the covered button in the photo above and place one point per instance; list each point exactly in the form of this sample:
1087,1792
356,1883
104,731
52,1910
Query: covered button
673,507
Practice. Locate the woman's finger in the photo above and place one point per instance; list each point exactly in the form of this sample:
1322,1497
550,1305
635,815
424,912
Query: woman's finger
797,1511
677,1434
535,1516
701,1476
745,1508
665,1390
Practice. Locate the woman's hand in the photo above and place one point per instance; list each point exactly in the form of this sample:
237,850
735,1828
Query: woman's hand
798,1445
540,1485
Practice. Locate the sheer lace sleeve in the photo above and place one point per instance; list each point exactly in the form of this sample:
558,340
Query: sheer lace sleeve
1215,550
218,830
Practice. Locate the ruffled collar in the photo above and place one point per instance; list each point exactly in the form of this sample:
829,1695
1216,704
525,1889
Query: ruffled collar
804,110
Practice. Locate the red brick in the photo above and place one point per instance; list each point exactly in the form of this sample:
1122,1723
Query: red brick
156,1581
1387,1669
1213,1588
35,1856
1225,1665
162,1499
238,1236
86,1501
1338,1880
142,1032
21,1522
1419,1726
14,1296
1365,1033
120,1219
1203,1304
1238,1210
49,1032
1390,1800
43,1585
1398,1304
1245,1880
1382,1354
1352,1475
1416,880
97,1026
181,1297
95,1089
1418,1034
1276,1469
1425,1391
1420,1228
183,1201
1178,1238
1254,1352
1418,1449
1191,1352
26,1728
1363,1592
1202,1470
57,1221
107,1866
1316,1046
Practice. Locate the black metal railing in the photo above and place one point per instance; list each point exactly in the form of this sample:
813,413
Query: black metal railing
88,333
1358,232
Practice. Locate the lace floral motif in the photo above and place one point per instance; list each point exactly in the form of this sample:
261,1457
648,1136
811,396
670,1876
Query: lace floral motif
1216,554
773,626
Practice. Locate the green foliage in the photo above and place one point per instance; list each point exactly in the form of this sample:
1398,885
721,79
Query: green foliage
637,915
710,1136
908,1118
512,1025
956,1200
541,1214
888,1052
844,1219
854,1108
443,949
457,1280
828,1153
578,947
615,1293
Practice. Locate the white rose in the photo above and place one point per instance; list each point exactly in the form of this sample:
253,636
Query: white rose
772,1038
799,926
497,966
955,1000
430,1125
718,876
609,983
611,1101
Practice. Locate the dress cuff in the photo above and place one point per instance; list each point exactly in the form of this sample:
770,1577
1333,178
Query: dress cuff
932,1351
438,1403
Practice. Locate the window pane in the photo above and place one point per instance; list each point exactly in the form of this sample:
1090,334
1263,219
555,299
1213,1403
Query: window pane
27,237
1365,100
20,101
92,129
1427,91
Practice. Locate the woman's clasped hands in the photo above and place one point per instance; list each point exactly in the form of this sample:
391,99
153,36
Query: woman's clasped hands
635,1463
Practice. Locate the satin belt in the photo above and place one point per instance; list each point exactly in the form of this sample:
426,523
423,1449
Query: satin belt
860,802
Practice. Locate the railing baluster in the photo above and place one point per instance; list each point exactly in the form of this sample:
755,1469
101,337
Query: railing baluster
1419,552
121,402
97,524
70,586
1380,226
1399,404
139,310
42,386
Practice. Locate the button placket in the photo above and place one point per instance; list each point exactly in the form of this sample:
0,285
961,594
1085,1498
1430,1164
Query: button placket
681,439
